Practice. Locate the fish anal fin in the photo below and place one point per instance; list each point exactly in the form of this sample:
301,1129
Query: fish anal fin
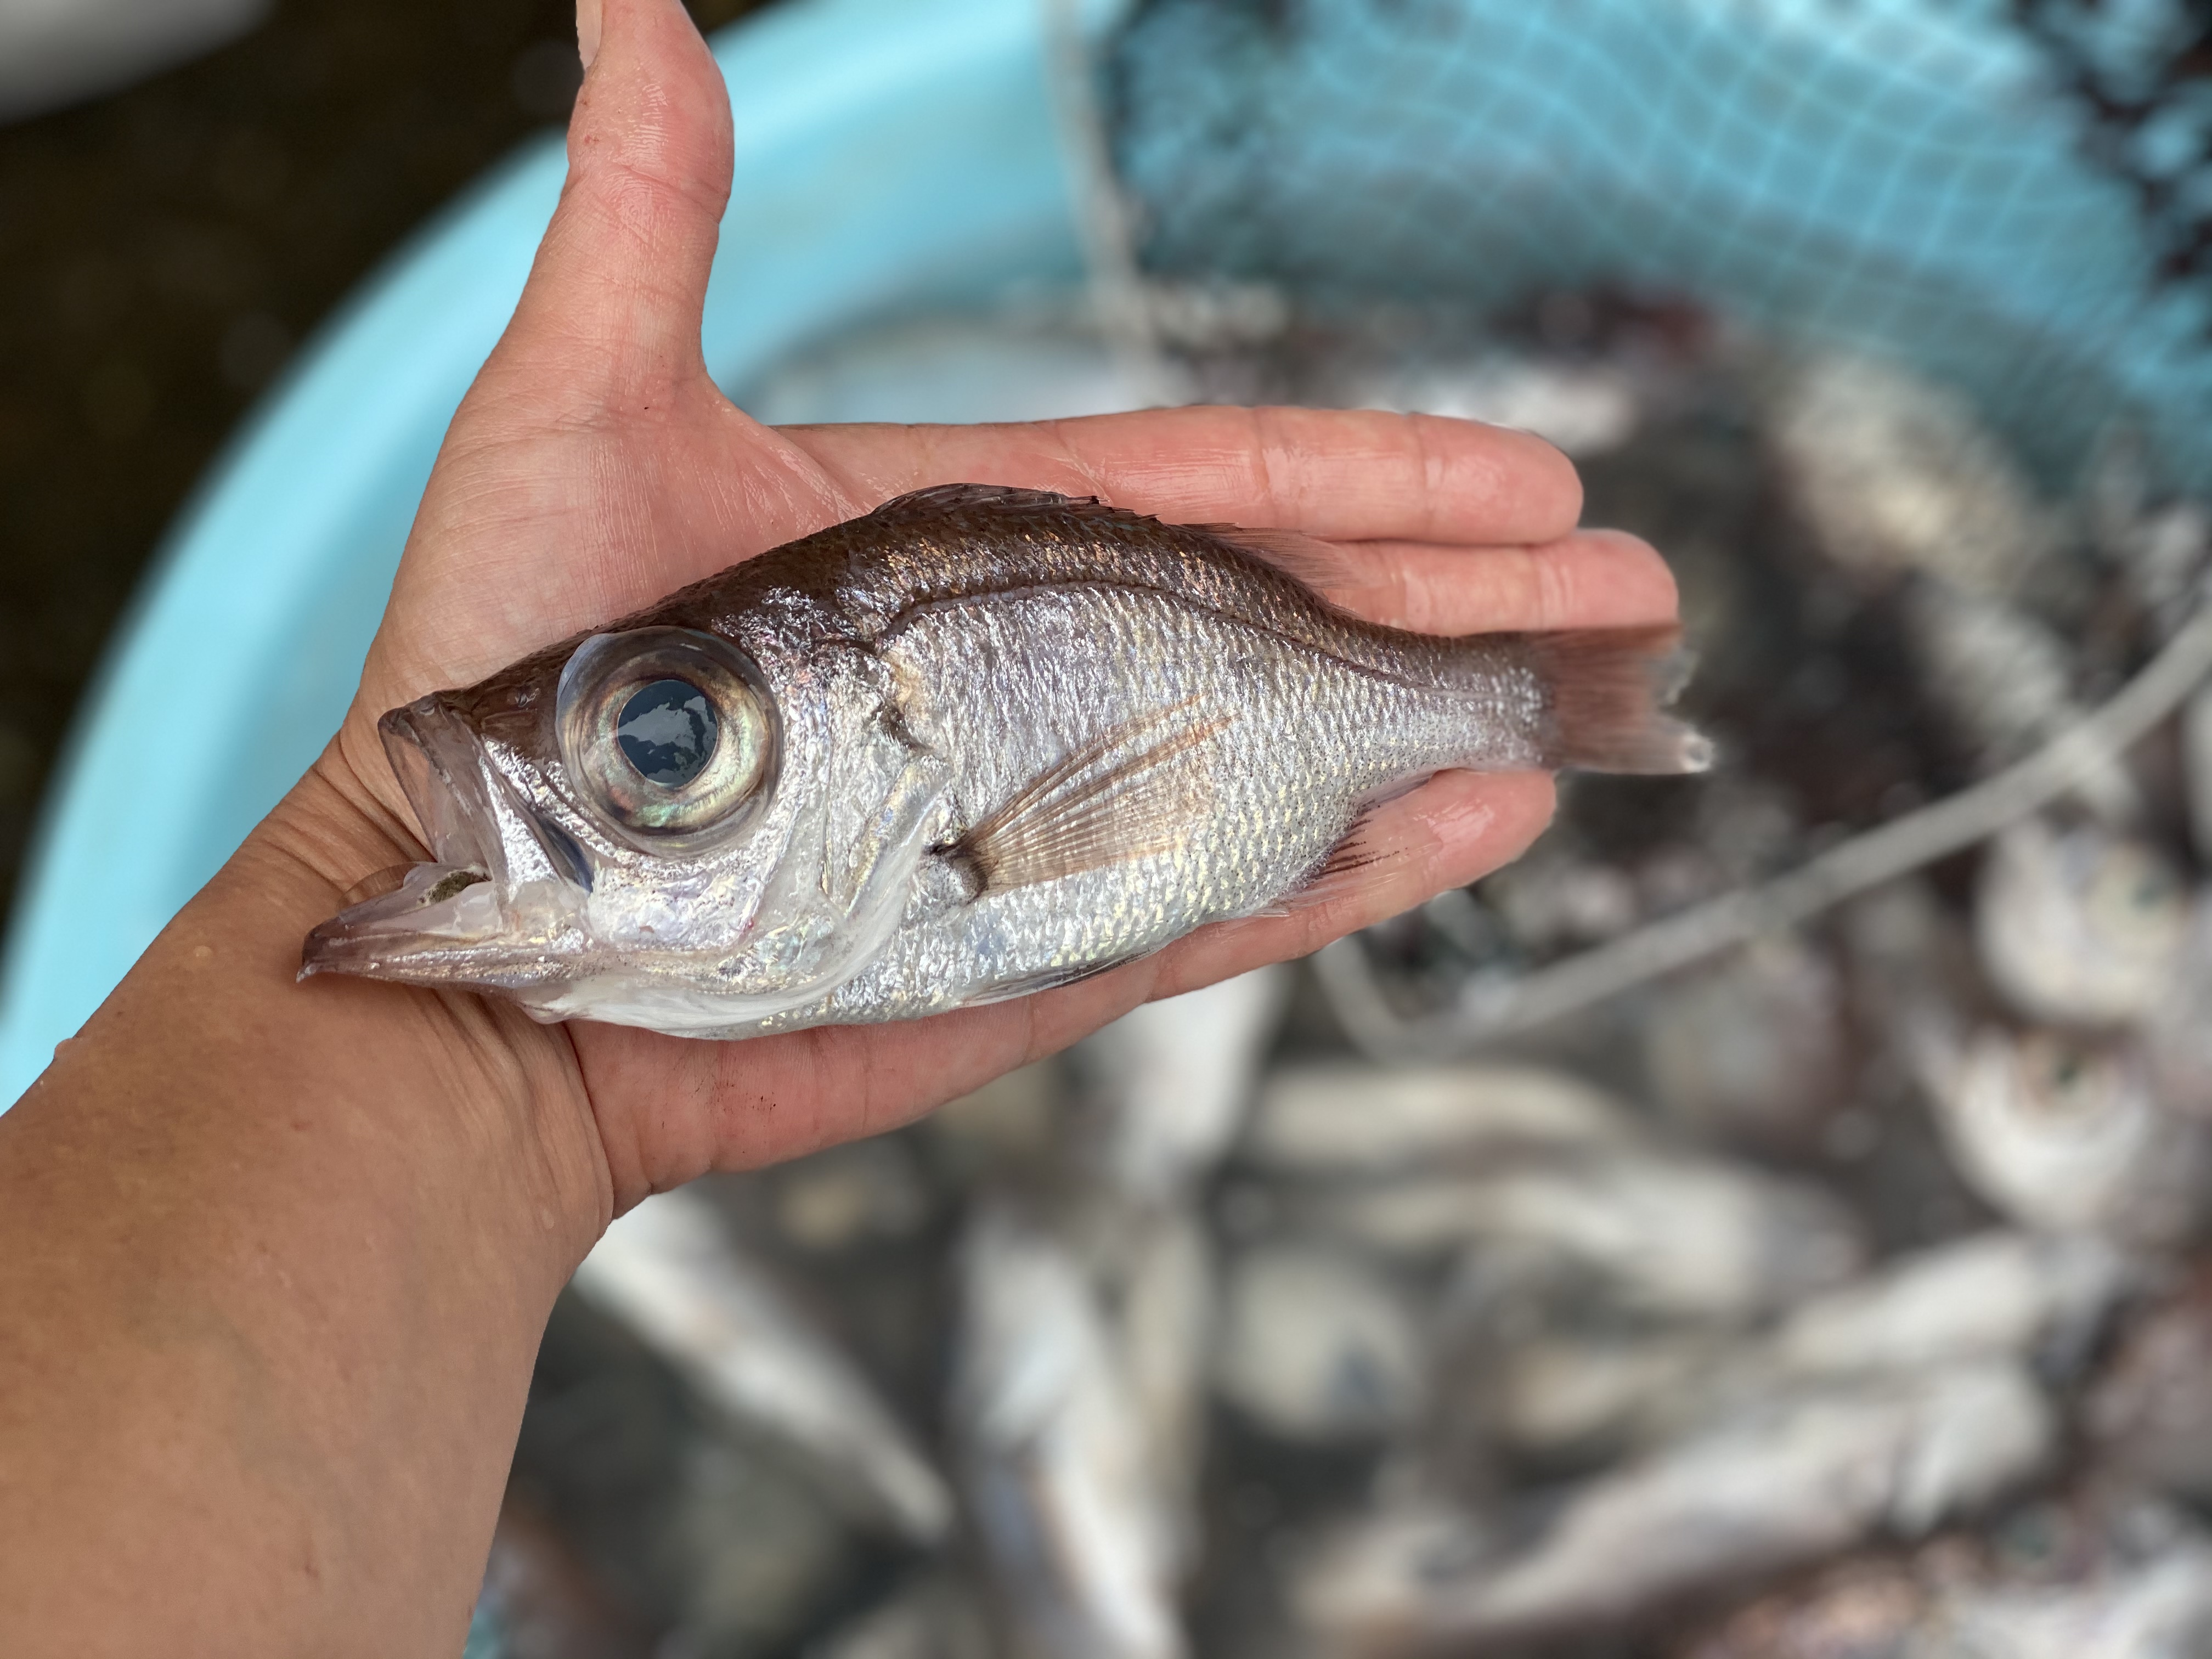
1051,979
1350,865
1135,791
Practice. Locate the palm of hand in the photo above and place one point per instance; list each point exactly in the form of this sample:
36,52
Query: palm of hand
595,467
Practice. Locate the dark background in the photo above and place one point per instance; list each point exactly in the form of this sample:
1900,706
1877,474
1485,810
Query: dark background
167,248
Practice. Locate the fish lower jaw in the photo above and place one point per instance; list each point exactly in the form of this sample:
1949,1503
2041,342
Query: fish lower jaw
451,925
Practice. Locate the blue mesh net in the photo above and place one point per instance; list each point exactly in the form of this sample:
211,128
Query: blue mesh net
2016,199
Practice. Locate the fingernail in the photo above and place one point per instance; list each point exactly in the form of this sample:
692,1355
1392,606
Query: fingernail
588,30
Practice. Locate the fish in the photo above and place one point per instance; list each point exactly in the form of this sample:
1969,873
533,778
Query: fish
1341,1118
976,744
1573,1400
669,1270
1146,1271
1666,1234
2042,1299
1163,1302
2100,1577
1563,1396
1059,1475
1775,1488
1583,408
2064,1133
2057,1130
1897,474
2078,925
2001,679
1319,1346
1168,1083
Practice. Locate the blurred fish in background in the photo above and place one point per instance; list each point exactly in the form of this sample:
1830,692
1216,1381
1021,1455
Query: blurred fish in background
55,53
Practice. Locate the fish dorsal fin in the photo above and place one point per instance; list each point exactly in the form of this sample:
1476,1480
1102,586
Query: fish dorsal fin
1137,790
1306,559
1320,565
946,500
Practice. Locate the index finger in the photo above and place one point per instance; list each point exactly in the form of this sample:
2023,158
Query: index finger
1345,475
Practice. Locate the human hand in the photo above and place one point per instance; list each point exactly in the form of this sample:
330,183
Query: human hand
594,467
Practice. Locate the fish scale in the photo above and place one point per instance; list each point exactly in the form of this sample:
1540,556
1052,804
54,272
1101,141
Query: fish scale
1355,734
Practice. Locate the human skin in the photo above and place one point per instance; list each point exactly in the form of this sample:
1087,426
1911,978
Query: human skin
275,1257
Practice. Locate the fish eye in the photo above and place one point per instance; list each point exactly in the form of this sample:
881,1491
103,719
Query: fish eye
668,732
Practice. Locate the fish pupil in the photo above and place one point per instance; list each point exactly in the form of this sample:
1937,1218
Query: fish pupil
667,732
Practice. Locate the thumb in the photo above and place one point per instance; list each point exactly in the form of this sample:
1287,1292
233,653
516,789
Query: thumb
610,315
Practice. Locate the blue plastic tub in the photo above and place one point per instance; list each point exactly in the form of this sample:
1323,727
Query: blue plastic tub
890,155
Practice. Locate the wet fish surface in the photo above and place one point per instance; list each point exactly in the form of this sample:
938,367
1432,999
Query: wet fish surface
978,743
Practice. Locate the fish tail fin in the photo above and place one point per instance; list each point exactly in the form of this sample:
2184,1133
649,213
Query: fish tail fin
1608,689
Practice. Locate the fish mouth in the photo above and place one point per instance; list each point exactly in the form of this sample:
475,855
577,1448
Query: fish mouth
476,915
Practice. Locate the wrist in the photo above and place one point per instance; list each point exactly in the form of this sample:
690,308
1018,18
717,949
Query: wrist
279,1254
490,1100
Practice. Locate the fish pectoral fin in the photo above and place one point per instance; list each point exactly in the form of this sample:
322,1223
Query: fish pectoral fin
1137,790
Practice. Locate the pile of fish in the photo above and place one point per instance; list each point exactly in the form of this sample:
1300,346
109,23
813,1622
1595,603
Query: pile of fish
1843,1294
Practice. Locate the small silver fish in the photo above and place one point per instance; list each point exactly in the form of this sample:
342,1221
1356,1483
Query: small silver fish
2034,1298
1665,1234
2097,1575
2002,680
1162,1303
978,743
1898,474
1338,1118
1569,1393
2064,1135
1573,1400
1778,1487
2080,926
1169,1082
670,1272
1061,1479
1319,1345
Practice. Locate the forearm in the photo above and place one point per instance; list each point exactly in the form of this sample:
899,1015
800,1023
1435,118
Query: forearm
274,1262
